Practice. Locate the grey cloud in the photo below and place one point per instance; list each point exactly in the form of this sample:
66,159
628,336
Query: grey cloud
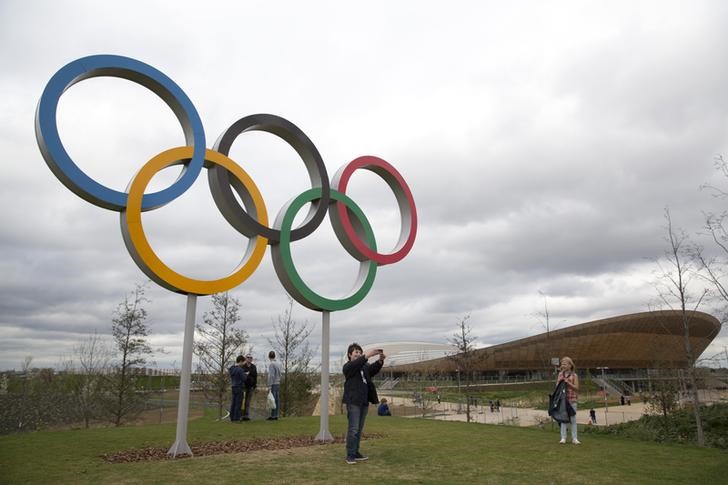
541,144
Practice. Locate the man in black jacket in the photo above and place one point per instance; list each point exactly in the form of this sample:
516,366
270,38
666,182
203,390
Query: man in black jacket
250,384
359,391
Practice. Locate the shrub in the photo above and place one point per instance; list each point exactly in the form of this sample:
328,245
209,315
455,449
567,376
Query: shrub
678,427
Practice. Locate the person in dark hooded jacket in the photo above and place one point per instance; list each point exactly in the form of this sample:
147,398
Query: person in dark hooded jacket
237,381
359,391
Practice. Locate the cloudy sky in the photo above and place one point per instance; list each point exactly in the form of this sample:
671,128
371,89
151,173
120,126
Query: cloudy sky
542,144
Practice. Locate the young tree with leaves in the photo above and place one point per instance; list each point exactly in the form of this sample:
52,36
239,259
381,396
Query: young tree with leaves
664,391
463,340
129,329
217,343
292,347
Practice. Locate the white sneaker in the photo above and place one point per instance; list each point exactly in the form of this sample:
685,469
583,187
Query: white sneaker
563,441
576,442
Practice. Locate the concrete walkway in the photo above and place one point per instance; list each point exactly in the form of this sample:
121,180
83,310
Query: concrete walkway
515,416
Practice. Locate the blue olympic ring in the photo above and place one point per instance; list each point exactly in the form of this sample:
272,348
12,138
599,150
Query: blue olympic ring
55,155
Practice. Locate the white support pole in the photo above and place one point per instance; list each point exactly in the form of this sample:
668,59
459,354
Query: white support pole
324,434
180,446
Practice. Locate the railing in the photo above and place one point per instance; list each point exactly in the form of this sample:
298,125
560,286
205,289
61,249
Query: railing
608,385
389,384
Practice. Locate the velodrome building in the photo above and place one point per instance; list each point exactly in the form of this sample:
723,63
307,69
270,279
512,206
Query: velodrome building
623,344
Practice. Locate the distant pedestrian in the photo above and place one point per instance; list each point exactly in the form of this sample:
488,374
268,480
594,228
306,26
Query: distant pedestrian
383,409
497,405
621,399
593,416
568,375
629,401
274,384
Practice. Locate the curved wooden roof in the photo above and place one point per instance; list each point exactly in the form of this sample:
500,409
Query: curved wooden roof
637,341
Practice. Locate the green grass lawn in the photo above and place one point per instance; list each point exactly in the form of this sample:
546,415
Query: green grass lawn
411,450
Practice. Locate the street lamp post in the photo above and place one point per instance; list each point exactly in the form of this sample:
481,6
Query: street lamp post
604,385
555,361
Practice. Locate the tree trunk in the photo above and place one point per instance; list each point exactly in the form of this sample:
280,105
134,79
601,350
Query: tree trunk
467,401
696,408
694,387
122,387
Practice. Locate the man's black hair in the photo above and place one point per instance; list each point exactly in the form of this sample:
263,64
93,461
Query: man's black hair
239,359
272,354
352,348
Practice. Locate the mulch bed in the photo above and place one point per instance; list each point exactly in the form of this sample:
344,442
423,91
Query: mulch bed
228,446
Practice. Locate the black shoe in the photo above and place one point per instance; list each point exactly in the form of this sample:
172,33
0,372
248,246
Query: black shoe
245,418
360,457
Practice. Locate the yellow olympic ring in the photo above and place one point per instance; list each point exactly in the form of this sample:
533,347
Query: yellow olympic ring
142,252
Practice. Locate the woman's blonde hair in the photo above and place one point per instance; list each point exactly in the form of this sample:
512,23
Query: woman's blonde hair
570,362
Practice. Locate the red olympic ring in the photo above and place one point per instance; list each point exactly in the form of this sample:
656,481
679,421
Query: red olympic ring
342,222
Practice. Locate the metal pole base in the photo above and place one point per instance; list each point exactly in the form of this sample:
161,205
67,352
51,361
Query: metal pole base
179,448
324,434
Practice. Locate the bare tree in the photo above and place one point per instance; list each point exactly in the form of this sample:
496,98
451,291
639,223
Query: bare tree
25,366
129,328
544,320
35,398
715,265
463,340
678,270
292,347
217,343
87,385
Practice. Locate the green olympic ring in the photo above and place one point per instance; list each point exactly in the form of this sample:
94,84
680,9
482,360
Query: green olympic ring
286,270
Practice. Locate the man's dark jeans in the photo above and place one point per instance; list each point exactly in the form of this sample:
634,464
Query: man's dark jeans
356,415
248,398
236,412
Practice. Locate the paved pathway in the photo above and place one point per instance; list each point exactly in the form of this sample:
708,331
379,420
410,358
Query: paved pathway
518,416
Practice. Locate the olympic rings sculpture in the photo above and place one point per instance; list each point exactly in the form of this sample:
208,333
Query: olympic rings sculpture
350,225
